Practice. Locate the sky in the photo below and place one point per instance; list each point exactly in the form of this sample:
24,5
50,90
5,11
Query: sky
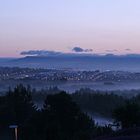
105,26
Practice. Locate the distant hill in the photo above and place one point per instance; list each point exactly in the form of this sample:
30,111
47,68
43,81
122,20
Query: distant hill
77,62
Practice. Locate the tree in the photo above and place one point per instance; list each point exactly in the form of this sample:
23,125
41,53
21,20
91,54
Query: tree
128,115
60,119
18,105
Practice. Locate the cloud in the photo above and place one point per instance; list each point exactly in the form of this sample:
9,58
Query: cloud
56,53
40,53
111,50
128,49
62,54
80,50
53,53
110,55
77,49
88,50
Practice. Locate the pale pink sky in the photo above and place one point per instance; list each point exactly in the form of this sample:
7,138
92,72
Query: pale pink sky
61,25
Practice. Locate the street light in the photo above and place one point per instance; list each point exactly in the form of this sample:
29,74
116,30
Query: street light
15,127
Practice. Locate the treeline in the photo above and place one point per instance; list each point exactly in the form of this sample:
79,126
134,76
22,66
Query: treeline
95,102
60,118
100,102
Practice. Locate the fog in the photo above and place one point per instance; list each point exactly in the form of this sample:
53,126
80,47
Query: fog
71,86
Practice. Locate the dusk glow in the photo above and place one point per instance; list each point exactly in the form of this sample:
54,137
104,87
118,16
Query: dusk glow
105,26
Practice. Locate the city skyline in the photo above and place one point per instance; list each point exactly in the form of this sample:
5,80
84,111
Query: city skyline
101,26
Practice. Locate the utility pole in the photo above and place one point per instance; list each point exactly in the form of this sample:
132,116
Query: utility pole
15,127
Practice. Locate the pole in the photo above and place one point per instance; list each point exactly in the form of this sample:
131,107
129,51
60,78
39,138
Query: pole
15,127
16,133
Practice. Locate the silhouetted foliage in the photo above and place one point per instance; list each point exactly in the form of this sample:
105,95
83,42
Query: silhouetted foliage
60,119
102,130
97,101
128,115
17,106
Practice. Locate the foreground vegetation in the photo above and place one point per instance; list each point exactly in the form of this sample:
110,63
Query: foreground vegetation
61,116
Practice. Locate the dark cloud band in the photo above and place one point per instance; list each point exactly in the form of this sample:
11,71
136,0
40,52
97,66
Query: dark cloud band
79,50
40,53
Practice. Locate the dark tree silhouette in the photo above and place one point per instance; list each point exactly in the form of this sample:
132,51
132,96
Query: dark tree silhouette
128,115
60,119
97,101
18,106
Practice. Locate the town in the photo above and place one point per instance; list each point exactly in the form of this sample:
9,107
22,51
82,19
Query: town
16,73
